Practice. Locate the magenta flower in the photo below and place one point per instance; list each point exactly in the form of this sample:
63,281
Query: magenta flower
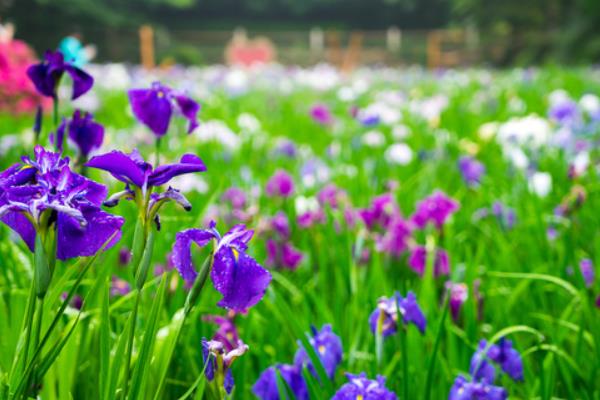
396,237
436,209
155,106
237,276
418,261
321,114
283,254
360,387
236,197
280,184
458,294
47,74
119,287
382,210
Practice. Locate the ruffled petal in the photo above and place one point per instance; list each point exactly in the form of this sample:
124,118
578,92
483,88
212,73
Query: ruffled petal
181,256
189,108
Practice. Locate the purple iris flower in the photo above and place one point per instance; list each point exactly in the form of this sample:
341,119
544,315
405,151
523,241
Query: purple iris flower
503,354
396,237
281,225
42,193
119,287
565,113
328,347
155,106
471,170
587,271
321,114
47,74
280,184
218,360
481,369
418,261
236,275
436,208
236,197
385,316
458,294
467,390
227,332
505,215
266,388
283,254
508,358
360,387
83,131
382,210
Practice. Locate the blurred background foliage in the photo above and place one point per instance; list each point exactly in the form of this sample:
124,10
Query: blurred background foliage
530,31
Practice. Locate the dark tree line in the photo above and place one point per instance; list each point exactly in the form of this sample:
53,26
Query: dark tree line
525,31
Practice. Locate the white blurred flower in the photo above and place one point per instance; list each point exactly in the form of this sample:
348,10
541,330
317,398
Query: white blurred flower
248,122
236,81
373,139
399,153
305,204
581,163
558,96
190,183
590,103
216,130
531,131
346,94
400,132
540,183
517,157
385,113
487,130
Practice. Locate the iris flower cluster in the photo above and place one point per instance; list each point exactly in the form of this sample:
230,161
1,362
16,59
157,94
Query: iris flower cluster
328,347
385,318
47,204
483,372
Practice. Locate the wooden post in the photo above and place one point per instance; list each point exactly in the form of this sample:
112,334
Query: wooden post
393,39
147,46
334,48
433,49
352,55
316,40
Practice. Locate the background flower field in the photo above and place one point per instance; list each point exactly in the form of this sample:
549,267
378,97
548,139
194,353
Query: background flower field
520,244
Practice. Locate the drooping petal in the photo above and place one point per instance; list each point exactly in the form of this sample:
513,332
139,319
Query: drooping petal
85,133
181,256
189,163
77,241
265,387
82,81
152,107
411,312
239,278
44,82
189,108
20,224
121,166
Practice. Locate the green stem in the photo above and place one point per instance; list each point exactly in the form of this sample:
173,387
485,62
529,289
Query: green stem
129,349
403,334
36,341
436,345
55,112
27,328
157,154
